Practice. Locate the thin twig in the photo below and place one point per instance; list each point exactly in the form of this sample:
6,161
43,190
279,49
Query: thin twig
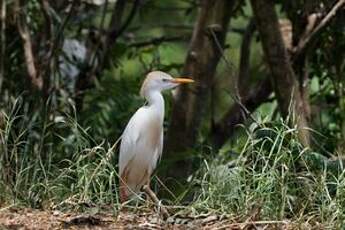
165,187
303,42
154,198
236,98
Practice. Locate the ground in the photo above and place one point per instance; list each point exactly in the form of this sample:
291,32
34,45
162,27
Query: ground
27,219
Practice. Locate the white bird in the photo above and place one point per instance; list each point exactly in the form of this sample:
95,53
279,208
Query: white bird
142,139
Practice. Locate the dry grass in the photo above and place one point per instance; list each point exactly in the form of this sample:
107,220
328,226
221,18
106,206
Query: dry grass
143,218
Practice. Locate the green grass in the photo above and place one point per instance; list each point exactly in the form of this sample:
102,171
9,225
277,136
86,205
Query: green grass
275,178
54,163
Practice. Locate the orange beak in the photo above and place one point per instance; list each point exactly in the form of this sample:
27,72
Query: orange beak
182,80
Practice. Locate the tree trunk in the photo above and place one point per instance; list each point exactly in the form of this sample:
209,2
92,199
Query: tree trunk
244,65
302,25
190,105
283,78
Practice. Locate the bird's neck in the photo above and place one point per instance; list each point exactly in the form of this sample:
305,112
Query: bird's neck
156,102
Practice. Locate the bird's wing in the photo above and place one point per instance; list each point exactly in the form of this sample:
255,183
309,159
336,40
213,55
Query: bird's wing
159,150
130,137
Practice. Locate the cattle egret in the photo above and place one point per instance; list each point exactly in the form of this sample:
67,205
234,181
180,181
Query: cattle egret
142,139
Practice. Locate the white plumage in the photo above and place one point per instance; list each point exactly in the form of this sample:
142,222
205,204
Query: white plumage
142,139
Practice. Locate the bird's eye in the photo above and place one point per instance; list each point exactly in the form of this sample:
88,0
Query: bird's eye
165,80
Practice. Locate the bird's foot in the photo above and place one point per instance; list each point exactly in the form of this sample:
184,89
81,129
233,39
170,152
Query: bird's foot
153,197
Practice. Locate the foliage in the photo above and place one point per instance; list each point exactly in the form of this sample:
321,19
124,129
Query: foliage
45,162
274,177
57,141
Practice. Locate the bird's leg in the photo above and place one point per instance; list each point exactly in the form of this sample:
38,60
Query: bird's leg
154,198
123,192
147,198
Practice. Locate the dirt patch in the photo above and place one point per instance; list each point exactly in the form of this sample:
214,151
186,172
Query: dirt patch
27,219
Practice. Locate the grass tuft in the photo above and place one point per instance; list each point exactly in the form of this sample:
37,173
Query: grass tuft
48,160
273,178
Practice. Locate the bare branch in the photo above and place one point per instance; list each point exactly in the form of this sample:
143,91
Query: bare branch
24,32
239,112
48,25
46,62
247,99
305,40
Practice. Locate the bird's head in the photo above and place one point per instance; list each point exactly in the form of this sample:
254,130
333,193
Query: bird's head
159,81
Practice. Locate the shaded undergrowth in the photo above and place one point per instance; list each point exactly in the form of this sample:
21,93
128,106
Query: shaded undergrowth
52,162
274,178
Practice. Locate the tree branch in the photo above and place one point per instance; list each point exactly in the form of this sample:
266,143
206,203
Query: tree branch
46,62
158,41
70,11
24,32
188,27
244,67
116,29
281,72
116,18
128,20
239,112
48,26
305,40
249,99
